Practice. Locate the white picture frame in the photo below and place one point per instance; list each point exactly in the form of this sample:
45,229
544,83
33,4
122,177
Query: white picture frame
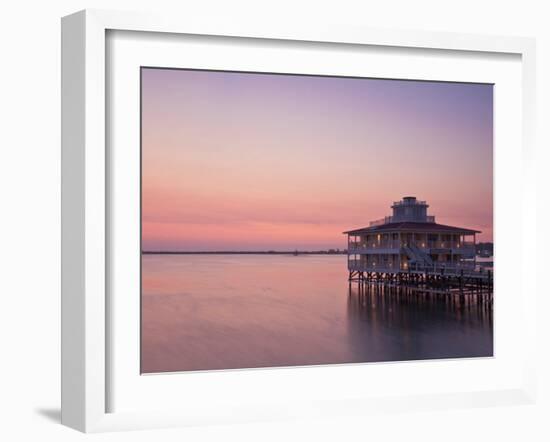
85,206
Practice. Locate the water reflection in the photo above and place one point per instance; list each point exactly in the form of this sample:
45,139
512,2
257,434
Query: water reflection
218,312
398,324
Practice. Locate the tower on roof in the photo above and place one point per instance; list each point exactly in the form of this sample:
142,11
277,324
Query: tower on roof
410,209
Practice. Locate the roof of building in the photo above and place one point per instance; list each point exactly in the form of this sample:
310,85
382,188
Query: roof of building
413,227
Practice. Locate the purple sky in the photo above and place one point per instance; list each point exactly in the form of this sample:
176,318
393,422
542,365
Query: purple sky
260,161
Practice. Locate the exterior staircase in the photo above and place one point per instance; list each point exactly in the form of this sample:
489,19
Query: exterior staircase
418,256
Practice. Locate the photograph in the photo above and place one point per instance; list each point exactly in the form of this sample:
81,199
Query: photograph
292,220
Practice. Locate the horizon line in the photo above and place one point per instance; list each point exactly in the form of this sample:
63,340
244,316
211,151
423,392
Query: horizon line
257,252
249,252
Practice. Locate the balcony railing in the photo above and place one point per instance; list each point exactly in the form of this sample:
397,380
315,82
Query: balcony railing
381,221
355,264
449,245
364,246
462,248
409,203
462,268
390,219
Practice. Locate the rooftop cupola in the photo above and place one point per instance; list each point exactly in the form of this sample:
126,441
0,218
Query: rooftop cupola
412,210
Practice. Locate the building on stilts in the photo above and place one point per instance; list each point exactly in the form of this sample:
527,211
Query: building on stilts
410,248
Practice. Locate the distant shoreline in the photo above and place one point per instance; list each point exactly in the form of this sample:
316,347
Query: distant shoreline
258,252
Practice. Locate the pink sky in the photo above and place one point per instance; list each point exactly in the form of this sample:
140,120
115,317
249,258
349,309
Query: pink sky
235,161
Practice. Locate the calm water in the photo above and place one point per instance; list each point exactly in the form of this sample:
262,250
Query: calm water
203,312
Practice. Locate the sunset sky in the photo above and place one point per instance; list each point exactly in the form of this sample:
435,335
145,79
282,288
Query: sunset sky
240,161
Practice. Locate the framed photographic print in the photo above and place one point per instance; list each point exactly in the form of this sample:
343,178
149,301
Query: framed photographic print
262,224
247,185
